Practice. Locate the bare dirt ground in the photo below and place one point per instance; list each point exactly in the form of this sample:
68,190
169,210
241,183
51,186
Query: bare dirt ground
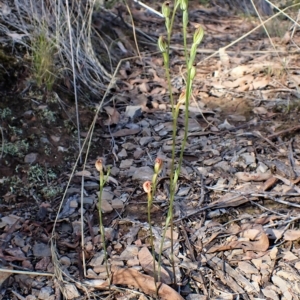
237,200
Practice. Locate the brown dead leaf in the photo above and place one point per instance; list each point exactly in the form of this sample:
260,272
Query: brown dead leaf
245,176
144,87
258,241
124,132
269,183
146,261
134,278
260,83
113,114
291,235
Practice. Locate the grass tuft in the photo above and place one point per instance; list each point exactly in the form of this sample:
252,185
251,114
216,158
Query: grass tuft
43,50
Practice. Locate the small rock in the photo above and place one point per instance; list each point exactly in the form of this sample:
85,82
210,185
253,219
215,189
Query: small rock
106,206
122,153
138,153
55,138
107,195
145,140
45,292
114,171
41,250
224,165
262,168
117,204
43,264
133,262
30,158
97,260
129,146
143,173
88,201
71,291
99,269
44,140
118,263
126,163
19,241
212,161
65,260
91,185
91,274
248,158
130,252
118,246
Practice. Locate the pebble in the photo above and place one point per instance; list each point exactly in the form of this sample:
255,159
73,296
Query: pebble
143,173
45,292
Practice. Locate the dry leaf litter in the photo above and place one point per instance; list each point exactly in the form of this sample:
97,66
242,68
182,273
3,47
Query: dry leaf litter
237,200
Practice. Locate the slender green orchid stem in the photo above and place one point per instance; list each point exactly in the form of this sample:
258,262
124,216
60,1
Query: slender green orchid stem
103,180
185,97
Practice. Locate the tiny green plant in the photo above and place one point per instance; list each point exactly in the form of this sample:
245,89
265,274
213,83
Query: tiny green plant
102,180
184,98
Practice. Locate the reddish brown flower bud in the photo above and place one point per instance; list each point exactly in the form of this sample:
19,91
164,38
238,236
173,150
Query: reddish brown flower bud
147,187
99,165
158,165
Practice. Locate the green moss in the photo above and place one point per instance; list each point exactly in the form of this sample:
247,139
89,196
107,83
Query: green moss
18,148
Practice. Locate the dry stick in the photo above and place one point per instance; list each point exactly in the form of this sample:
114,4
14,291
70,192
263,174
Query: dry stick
271,136
226,203
133,31
26,272
292,159
263,24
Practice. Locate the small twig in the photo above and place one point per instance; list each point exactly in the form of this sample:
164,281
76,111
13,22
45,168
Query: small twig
149,8
271,136
292,159
26,272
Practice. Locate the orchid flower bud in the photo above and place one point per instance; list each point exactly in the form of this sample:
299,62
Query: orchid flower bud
158,165
182,98
184,4
198,35
166,9
147,187
162,45
193,72
99,165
